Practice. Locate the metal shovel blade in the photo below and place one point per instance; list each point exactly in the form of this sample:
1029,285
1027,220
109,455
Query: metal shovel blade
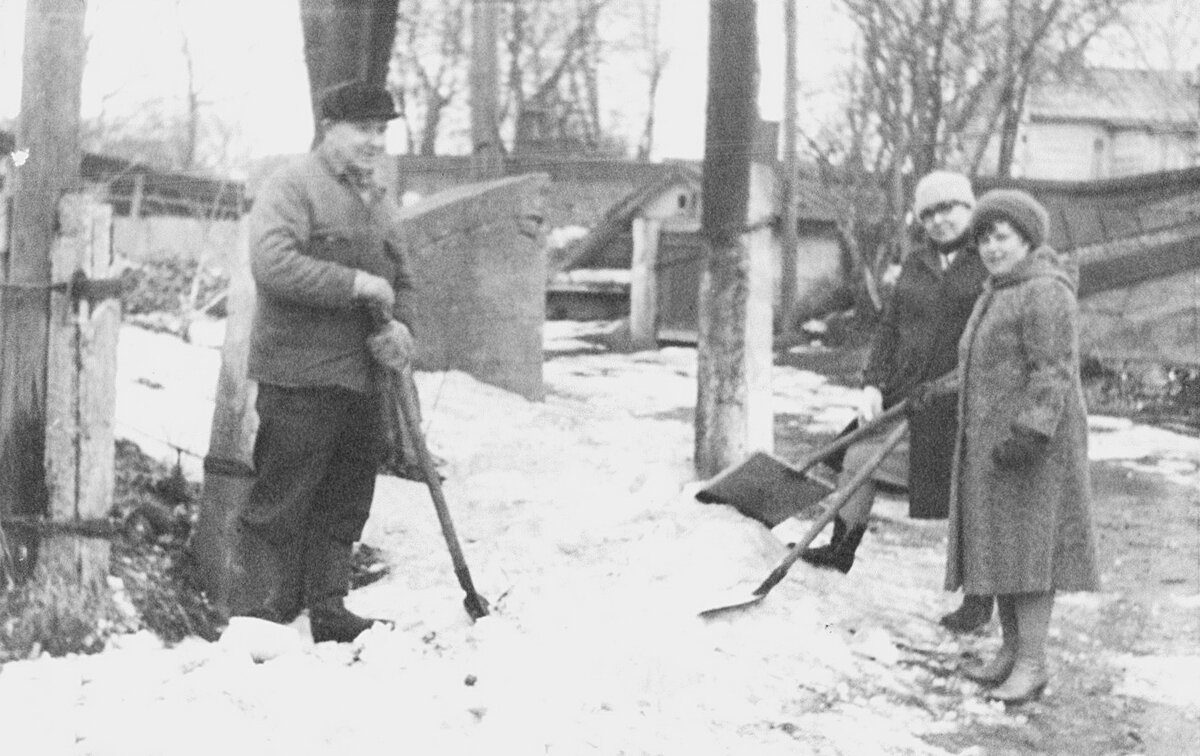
767,489
732,599
836,502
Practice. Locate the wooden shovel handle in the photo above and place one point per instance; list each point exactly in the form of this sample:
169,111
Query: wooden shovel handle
836,503
866,429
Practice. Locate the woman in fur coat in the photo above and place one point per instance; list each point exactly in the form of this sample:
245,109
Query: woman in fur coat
1020,524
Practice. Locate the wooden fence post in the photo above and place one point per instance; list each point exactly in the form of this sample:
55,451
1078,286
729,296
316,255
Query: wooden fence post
81,378
643,286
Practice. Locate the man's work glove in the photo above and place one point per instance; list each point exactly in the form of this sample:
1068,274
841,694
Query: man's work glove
373,290
1022,448
392,346
870,404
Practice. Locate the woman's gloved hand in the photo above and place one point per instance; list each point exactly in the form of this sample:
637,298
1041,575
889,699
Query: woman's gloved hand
1021,449
870,404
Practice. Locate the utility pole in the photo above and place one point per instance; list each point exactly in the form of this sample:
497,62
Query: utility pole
48,137
789,243
487,155
735,300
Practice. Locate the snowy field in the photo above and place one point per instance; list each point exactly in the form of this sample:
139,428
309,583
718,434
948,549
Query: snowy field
579,525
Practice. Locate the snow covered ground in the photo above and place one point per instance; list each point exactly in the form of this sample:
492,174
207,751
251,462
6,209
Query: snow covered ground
579,525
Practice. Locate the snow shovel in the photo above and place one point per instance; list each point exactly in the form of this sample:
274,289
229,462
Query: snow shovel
836,502
770,490
402,407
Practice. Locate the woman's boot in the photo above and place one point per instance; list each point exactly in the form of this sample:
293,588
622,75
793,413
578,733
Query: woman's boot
1028,678
838,554
973,614
998,669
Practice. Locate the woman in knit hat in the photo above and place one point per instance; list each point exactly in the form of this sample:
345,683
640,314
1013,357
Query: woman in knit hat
1020,525
917,341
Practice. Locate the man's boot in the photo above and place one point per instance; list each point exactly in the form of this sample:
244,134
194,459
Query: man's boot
974,613
838,554
265,578
327,581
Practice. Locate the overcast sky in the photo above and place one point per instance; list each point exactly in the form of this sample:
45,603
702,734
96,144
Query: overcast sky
252,70
250,65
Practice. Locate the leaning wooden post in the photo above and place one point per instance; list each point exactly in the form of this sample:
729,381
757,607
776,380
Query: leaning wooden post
81,379
228,467
643,285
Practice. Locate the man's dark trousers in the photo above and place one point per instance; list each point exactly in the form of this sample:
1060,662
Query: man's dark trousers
316,456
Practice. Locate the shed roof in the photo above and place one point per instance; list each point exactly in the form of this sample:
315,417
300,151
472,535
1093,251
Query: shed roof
1120,97
162,192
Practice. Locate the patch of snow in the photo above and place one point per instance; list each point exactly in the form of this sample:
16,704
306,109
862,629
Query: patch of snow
578,520
561,236
1169,680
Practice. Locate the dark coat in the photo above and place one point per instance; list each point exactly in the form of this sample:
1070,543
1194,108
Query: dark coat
1029,529
917,340
310,230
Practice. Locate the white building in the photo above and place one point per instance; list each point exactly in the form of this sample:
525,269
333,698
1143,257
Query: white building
1110,122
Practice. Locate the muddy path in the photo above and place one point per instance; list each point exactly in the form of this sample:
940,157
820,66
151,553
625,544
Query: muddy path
1111,651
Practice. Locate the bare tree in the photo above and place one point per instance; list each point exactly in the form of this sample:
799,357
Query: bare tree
938,83
550,54
653,58
1166,35
552,92
429,65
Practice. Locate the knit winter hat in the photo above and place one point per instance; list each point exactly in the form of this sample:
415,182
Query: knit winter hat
1019,208
939,187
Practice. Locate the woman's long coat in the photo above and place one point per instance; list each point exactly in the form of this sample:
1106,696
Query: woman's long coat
917,341
1028,529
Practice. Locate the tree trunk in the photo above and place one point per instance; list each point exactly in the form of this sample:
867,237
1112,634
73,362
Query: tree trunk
346,40
789,242
724,360
48,129
487,152
1009,130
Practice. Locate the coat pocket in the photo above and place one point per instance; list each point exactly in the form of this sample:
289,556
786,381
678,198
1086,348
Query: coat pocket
332,247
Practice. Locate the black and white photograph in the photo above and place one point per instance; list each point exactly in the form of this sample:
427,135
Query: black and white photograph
613,377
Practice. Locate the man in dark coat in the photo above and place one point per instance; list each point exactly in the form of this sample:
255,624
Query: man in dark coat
916,342
328,259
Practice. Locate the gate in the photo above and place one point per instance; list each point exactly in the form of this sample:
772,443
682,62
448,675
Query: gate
677,270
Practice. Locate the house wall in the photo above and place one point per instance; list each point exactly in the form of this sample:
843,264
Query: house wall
678,205
1080,151
1062,151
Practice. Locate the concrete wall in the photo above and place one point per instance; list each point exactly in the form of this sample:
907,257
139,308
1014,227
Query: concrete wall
164,237
480,268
